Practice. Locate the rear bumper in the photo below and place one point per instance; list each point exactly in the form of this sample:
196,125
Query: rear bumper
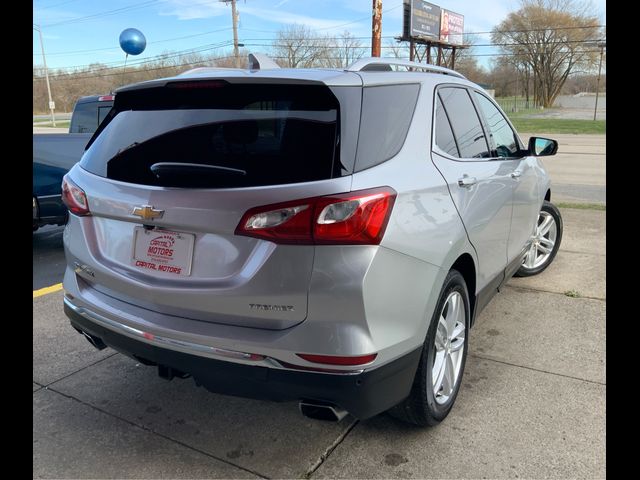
362,394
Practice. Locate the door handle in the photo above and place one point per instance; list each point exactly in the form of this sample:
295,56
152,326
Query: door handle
516,174
467,181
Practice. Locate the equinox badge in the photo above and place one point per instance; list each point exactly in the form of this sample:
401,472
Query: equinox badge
147,212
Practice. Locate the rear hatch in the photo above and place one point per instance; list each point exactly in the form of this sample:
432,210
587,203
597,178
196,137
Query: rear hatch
169,175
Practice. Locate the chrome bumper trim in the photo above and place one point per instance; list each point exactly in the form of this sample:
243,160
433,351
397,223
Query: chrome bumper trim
190,347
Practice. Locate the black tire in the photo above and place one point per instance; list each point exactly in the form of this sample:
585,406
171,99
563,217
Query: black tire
552,210
420,407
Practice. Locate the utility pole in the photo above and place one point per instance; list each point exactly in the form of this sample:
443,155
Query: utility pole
234,14
234,21
595,110
52,105
376,28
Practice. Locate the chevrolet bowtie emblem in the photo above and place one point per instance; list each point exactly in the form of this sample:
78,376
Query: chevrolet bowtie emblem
147,212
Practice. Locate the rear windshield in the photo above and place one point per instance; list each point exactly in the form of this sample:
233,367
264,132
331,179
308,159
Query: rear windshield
219,135
84,118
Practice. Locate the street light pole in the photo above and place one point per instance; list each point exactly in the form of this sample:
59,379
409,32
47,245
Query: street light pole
595,110
52,105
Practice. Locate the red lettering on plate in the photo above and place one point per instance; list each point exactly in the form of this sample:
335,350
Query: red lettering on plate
149,265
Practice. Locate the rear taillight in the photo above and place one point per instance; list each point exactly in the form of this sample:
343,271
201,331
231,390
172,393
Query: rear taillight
354,218
74,198
338,360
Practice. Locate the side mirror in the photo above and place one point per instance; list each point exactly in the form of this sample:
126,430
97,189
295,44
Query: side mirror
542,147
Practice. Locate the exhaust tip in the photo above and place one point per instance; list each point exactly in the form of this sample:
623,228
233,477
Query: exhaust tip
95,341
322,411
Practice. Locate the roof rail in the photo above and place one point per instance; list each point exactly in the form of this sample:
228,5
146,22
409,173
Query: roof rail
377,64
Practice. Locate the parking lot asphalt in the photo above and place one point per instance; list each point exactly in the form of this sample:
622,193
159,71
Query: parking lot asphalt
532,402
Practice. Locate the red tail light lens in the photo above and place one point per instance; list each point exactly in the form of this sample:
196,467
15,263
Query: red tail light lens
354,218
74,198
336,360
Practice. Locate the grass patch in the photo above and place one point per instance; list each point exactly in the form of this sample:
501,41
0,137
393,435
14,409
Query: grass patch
558,125
582,206
572,294
59,124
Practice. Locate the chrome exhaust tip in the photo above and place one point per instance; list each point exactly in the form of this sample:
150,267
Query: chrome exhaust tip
322,411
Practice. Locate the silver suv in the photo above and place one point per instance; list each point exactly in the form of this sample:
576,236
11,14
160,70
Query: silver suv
320,236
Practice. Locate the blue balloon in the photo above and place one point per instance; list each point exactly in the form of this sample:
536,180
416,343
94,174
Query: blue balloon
132,41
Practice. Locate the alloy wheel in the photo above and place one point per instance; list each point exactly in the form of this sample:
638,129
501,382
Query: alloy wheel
449,347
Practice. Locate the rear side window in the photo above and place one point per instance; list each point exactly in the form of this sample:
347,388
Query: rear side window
444,135
464,122
219,135
85,118
384,122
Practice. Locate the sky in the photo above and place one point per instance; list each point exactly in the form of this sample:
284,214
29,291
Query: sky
77,33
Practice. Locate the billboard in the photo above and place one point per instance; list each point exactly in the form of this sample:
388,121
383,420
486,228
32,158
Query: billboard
421,19
451,27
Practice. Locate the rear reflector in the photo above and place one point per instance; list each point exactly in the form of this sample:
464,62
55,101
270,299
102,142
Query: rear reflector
354,218
335,360
74,198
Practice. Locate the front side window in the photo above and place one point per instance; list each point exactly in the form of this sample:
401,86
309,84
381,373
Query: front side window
465,123
503,136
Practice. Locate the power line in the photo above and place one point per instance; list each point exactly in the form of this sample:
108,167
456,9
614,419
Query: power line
73,52
107,13
149,69
248,43
81,76
118,63
147,61
56,5
305,39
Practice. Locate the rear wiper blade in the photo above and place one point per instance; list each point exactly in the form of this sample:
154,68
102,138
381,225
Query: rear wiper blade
168,168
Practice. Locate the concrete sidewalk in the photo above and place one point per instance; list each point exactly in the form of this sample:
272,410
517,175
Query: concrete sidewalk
532,402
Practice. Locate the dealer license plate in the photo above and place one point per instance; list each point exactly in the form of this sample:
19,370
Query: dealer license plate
163,251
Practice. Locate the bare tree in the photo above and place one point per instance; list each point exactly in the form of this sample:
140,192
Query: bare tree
297,46
549,40
395,49
344,50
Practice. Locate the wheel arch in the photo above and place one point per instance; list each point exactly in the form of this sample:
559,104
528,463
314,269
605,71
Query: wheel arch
467,268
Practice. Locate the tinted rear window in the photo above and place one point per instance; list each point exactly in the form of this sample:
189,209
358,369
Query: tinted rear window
85,118
219,136
384,122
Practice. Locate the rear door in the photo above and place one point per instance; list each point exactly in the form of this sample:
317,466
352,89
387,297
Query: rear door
480,187
169,177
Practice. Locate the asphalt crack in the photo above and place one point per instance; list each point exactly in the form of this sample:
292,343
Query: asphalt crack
530,289
482,357
330,449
